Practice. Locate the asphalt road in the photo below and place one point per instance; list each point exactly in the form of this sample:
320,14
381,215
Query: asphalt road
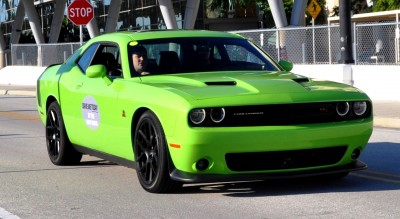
31,187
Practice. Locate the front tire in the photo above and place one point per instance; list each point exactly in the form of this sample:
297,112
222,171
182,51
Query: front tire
151,156
59,148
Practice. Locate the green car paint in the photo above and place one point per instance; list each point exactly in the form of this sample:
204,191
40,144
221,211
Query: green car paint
101,112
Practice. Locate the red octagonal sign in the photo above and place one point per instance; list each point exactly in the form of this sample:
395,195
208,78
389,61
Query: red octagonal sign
80,12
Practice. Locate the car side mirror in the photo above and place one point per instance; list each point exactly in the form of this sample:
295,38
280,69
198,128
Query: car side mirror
286,65
98,71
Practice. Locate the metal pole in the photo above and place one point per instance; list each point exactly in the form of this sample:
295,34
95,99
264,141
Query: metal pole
80,35
355,44
278,13
329,43
278,45
313,40
40,57
397,41
168,13
346,54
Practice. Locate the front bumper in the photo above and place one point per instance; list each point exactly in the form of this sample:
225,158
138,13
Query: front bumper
186,177
258,150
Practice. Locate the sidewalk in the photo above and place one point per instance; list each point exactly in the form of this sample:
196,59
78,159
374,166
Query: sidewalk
386,113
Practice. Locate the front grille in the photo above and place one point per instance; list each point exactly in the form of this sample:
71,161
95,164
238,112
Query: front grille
279,160
282,114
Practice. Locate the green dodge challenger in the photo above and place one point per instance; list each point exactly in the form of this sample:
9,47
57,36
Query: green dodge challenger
198,106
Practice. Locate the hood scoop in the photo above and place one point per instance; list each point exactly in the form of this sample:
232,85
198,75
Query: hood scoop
301,80
224,83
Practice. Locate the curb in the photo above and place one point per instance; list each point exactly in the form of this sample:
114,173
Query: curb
18,92
385,122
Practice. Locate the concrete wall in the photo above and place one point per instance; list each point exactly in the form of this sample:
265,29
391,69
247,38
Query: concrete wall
379,82
20,75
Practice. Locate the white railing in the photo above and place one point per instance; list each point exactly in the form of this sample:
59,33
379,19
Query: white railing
373,44
42,54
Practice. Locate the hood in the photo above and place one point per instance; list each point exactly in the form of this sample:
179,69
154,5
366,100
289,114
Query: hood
215,84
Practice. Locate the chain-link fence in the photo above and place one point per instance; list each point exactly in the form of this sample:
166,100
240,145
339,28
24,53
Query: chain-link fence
376,43
41,55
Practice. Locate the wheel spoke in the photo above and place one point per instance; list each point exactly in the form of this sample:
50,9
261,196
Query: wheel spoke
150,172
153,138
142,168
149,131
58,146
53,119
49,132
155,162
52,147
141,156
144,138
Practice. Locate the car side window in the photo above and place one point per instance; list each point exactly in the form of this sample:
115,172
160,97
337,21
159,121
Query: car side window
109,56
86,58
241,54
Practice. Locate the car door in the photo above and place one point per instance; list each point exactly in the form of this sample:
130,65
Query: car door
90,105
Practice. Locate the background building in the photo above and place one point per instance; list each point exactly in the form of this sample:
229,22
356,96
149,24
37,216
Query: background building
131,15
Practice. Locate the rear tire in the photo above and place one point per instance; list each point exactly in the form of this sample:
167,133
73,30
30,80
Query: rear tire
151,156
59,148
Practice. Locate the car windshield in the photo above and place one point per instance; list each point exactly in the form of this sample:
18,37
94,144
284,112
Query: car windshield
187,55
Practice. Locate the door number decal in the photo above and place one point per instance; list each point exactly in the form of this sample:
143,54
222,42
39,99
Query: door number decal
91,112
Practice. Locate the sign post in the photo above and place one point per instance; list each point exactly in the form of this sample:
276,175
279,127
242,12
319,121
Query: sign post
80,12
313,9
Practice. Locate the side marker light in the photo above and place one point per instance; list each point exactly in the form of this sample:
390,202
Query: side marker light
175,146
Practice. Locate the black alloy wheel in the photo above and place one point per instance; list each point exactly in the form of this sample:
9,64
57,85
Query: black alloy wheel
59,147
151,156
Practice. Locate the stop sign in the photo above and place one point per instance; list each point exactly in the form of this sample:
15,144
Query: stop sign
80,12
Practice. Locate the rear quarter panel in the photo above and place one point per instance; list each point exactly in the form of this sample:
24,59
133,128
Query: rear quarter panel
47,89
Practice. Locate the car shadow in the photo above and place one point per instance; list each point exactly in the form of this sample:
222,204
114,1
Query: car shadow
81,165
383,174
97,163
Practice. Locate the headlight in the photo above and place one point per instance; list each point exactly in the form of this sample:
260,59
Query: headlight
342,108
217,114
197,116
360,108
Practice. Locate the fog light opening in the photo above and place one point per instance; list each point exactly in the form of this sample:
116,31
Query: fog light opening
356,154
202,164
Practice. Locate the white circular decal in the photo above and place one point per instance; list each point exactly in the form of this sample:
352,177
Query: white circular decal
91,112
